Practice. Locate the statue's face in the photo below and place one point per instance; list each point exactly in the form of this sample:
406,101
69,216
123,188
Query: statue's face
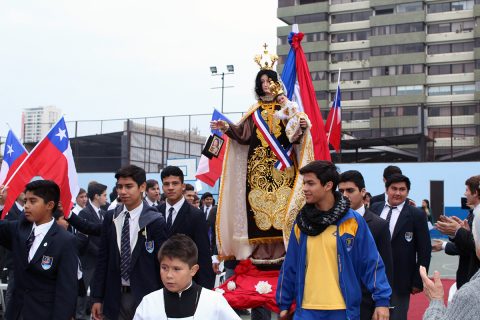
265,83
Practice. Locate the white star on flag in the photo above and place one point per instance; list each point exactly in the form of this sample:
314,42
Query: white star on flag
61,134
10,149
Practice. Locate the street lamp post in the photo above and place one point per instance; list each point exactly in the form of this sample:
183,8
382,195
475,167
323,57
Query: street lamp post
230,70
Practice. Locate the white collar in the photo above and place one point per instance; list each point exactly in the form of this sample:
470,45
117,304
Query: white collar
94,207
43,228
134,213
361,210
177,206
19,206
476,210
150,203
399,207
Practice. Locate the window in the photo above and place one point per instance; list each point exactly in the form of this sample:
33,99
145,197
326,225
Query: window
316,56
397,49
281,40
352,95
318,75
467,110
384,92
351,75
356,115
321,95
463,89
409,7
315,36
314,17
439,91
300,2
350,17
285,3
350,56
409,90
352,36
439,111
384,10
448,48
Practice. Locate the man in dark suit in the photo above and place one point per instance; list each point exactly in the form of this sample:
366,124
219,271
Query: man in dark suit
352,186
131,235
44,257
209,210
410,242
97,197
387,172
460,234
183,218
13,215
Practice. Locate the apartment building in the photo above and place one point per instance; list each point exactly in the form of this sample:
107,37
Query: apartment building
36,122
409,68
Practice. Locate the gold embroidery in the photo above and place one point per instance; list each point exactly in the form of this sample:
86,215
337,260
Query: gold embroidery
270,189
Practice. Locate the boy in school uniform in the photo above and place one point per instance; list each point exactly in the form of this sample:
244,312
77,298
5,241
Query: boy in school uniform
182,298
44,255
127,268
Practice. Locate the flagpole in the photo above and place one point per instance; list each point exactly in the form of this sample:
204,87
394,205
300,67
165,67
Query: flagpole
334,100
29,154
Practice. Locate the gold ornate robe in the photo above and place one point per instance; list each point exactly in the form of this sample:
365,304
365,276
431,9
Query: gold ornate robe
258,203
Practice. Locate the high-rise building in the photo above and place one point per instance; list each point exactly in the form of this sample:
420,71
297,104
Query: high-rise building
408,69
36,122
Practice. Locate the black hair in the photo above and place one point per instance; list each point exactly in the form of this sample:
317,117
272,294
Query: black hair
181,247
324,170
427,202
95,188
81,191
131,171
151,183
353,176
395,178
113,195
172,171
388,171
45,189
258,81
206,195
189,187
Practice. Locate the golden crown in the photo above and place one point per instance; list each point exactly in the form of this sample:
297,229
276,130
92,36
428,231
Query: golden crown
276,88
266,60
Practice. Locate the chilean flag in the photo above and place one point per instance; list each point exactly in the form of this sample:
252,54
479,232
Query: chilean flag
210,170
334,122
298,82
13,155
51,159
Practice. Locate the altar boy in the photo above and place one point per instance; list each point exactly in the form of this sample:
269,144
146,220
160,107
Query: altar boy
182,298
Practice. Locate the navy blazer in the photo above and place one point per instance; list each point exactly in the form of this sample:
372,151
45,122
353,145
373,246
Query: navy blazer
381,235
411,247
377,198
89,258
45,287
191,222
145,269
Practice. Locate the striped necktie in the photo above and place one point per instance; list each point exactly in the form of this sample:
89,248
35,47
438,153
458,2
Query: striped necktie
125,252
170,218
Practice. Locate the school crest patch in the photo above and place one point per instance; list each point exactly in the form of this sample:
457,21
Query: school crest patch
349,243
408,236
47,262
149,246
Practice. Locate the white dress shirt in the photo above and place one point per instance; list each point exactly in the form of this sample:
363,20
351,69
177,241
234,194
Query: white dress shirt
394,217
361,210
134,229
476,210
150,203
97,210
19,206
176,208
39,232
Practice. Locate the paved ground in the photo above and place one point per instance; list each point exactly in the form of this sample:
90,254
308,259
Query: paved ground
445,264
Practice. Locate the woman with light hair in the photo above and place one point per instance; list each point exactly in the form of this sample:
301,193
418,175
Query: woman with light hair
465,303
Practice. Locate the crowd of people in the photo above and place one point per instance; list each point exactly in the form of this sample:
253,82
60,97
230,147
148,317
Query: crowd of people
154,251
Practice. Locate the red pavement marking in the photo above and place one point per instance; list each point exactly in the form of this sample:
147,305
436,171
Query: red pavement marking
419,302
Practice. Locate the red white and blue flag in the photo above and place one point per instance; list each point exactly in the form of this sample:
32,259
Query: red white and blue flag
13,155
210,170
298,82
334,122
51,159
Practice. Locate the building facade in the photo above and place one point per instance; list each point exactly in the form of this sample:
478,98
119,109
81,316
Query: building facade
36,122
408,67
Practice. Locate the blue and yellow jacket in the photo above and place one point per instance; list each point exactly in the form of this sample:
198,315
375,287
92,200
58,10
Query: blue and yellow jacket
358,262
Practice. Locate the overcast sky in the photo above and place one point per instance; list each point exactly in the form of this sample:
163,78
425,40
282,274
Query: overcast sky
116,59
